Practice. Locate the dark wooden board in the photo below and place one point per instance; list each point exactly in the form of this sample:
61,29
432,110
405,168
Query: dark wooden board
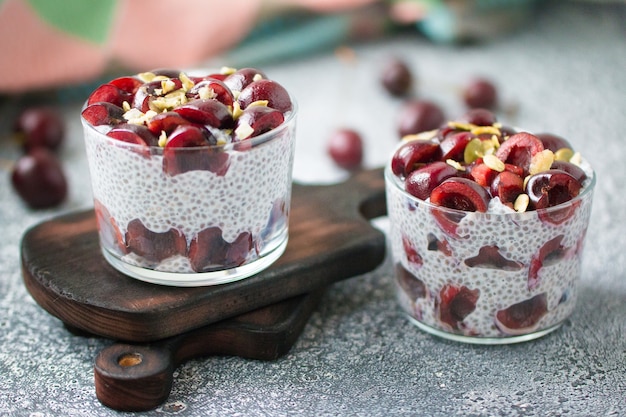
330,239
131,377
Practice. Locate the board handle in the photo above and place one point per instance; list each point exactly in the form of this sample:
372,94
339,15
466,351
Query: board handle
133,377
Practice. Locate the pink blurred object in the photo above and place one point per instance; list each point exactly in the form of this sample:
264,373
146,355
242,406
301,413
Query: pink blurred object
143,34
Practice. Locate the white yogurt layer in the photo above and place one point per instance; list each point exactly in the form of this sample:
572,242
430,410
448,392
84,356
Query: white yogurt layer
133,186
518,238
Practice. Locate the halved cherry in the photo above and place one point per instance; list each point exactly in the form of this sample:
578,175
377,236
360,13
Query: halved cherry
257,120
212,88
412,255
275,94
208,251
482,174
572,169
128,84
103,113
434,244
109,93
132,133
413,154
523,317
149,91
553,142
454,303
460,194
552,187
550,252
422,181
491,257
453,145
154,246
240,79
166,122
507,186
410,284
207,112
519,150
109,232
188,149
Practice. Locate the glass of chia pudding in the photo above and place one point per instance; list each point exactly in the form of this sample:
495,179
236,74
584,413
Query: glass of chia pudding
191,174
487,227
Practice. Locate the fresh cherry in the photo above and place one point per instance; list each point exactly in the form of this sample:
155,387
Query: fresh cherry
127,84
572,169
454,303
240,79
212,88
38,178
522,317
189,148
460,194
207,112
103,113
166,122
396,77
519,150
417,116
109,93
275,94
345,147
553,142
491,257
550,188
482,174
209,251
410,284
132,133
550,252
479,117
480,92
40,127
154,246
507,186
413,154
453,145
259,119
151,90
422,181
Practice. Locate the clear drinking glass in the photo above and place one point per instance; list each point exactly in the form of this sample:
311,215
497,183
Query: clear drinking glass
192,216
488,278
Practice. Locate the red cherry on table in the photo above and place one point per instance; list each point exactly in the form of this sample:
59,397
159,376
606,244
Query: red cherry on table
39,179
345,147
40,127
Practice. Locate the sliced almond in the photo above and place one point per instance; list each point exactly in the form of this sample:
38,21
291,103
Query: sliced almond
426,135
521,203
541,161
493,162
454,164
243,131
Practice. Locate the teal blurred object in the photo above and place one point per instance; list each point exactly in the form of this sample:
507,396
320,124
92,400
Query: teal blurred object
449,21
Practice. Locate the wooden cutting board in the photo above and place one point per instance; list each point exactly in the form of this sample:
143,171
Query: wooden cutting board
330,239
132,377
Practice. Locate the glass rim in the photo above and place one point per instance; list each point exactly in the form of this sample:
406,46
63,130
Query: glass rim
254,141
391,178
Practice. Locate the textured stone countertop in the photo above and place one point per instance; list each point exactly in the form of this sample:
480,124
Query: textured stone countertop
358,355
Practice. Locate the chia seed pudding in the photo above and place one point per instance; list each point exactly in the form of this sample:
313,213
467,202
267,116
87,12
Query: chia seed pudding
191,176
504,269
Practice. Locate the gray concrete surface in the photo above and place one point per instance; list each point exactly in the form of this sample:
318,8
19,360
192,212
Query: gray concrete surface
564,73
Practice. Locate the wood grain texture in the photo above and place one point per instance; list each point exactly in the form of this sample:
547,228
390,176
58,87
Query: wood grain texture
132,377
330,239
